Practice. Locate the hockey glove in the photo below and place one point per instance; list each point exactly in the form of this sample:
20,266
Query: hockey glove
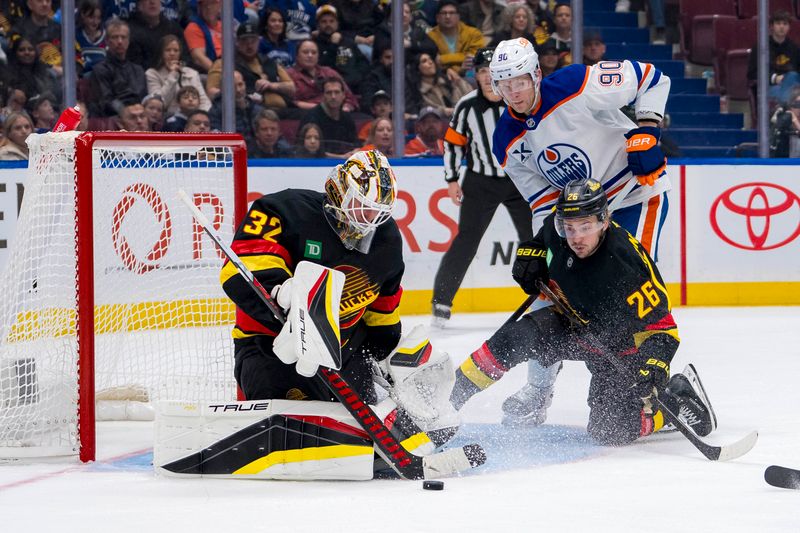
282,294
651,376
645,157
530,266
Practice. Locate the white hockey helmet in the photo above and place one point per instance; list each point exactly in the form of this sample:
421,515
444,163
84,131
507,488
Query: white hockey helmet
513,58
361,194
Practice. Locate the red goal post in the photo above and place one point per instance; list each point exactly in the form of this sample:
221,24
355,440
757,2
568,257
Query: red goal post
111,289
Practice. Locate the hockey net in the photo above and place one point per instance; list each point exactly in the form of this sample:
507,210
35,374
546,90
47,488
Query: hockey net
111,290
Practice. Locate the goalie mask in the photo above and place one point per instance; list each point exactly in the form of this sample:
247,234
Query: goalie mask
361,194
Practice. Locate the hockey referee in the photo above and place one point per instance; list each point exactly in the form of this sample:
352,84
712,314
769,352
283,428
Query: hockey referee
485,185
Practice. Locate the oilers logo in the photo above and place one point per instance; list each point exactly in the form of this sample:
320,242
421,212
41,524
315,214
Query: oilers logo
561,163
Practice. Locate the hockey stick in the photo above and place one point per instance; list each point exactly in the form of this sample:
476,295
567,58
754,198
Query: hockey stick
521,309
782,477
714,453
621,195
407,465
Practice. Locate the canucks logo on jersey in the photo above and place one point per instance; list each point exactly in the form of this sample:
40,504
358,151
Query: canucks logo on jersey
561,163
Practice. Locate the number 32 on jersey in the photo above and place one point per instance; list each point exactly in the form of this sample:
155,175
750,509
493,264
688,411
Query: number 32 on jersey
269,227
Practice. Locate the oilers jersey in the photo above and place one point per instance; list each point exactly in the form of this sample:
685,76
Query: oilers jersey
576,130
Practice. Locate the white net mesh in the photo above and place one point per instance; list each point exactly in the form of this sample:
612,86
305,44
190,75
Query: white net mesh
162,322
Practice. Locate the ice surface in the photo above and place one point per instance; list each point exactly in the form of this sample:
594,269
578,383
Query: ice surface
547,479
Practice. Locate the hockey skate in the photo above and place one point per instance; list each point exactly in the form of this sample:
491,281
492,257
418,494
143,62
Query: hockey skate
528,406
441,314
686,396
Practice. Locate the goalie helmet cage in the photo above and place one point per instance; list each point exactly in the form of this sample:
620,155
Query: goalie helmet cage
111,289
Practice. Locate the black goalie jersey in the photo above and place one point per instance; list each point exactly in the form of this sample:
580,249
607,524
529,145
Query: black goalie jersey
617,291
287,227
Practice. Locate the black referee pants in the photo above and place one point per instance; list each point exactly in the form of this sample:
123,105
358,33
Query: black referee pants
482,196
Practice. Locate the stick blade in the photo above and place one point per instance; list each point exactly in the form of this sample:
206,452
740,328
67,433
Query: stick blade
782,477
738,448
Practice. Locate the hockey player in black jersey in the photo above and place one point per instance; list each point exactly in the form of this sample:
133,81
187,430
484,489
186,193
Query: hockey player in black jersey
349,230
609,282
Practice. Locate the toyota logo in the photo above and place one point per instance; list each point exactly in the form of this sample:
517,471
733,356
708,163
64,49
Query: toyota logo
756,216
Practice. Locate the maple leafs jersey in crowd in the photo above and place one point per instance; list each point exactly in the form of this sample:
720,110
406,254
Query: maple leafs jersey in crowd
577,131
617,291
290,226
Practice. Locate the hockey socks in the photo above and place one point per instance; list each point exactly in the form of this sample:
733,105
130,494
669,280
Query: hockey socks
478,372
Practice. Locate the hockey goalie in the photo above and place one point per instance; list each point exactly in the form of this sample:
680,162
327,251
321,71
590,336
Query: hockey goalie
333,262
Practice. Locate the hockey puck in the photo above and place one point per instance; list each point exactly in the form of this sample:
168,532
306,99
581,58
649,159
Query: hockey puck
433,485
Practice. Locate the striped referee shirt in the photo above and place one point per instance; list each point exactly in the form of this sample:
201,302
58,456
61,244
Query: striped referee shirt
470,134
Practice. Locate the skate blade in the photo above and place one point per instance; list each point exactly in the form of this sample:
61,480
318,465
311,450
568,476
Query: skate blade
691,374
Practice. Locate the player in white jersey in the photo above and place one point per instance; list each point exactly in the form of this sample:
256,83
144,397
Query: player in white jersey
569,126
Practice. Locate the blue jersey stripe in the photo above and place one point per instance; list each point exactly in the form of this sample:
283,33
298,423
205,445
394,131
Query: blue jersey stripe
638,71
656,77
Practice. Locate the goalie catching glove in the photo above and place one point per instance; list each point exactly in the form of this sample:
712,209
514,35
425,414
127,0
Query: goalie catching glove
422,379
310,336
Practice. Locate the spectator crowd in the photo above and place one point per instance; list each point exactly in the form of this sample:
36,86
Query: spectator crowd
311,79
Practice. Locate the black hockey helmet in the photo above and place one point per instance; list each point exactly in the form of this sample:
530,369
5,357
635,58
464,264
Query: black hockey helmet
482,58
582,198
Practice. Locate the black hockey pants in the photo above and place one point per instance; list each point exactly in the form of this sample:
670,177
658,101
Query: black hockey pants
615,416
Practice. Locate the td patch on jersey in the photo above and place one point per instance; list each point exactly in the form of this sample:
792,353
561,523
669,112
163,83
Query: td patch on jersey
561,163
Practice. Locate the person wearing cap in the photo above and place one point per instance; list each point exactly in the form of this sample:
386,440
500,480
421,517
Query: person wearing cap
262,75
549,60
338,50
457,42
41,110
380,107
485,186
594,49
428,141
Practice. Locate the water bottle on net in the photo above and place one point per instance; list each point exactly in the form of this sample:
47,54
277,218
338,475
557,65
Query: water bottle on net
69,119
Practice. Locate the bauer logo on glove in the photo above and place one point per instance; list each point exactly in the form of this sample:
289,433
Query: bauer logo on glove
645,157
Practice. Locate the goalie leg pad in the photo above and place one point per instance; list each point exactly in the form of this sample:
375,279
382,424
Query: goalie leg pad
267,439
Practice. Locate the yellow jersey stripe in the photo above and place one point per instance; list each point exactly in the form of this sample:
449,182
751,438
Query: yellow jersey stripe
371,318
254,263
640,337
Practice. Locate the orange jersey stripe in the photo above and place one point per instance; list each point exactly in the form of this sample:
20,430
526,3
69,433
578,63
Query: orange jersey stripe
650,222
644,76
570,97
544,199
453,137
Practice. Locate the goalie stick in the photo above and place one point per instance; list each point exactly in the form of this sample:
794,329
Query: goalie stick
407,465
782,477
714,453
